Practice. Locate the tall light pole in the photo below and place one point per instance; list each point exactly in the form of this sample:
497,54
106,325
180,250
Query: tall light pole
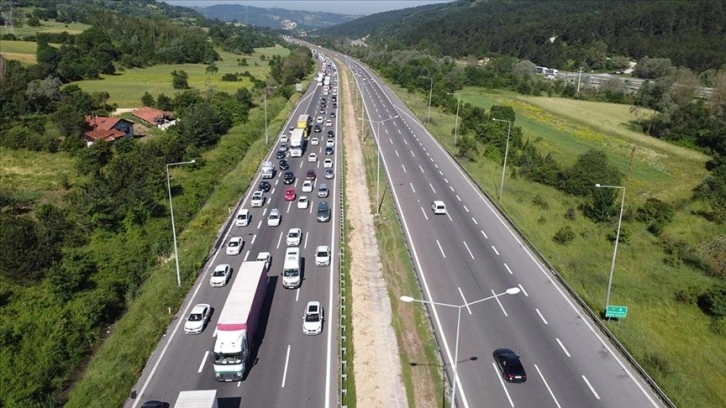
267,139
378,149
171,210
617,239
506,153
431,88
409,299
456,123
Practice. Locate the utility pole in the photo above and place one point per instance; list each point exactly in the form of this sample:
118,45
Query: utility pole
579,80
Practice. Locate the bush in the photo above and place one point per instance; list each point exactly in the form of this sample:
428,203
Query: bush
571,214
564,236
713,302
229,77
656,214
624,235
540,202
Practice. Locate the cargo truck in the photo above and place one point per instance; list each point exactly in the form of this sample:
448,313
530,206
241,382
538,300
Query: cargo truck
296,142
238,321
268,170
197,399
304,122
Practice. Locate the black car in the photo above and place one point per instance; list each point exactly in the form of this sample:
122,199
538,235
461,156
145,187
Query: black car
510,366
328,150
335,104
284,165
264,186
331,133
332,114
280,154
311,175
288,177
317,129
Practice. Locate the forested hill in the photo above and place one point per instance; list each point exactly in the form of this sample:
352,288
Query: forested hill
557,33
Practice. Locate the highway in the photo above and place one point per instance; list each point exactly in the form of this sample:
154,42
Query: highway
290,369
470,254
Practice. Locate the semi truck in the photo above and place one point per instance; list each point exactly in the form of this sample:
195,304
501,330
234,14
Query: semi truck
238,322
304,122
197,399
268,170
296,142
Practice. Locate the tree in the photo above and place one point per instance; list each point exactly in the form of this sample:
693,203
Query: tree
524,69
43,94
164,102
602,207
652,68
211,69
147,99
69,120
591,168
179,79
199,125
619,64
467,146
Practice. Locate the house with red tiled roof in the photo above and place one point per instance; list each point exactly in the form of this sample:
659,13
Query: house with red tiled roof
155,117
106,128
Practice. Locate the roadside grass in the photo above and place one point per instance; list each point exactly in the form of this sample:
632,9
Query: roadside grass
128,86
671,340
23,51
41,175
115,367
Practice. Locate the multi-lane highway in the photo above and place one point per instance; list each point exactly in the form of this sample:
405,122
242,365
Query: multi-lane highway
290,368
471,253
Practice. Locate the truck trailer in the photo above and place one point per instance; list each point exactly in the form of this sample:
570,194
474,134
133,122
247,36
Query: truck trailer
197,399
268,170
238,322
304,122
296,142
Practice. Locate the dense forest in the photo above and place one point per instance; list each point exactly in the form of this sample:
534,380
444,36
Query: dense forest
70,265
560,34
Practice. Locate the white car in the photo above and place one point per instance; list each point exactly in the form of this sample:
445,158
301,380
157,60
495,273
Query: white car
328,163
312,158
330,143
198,319
322,255
220,275
264,257
258,199
328,123
234,245
438,207
307,186
283,138
294,236
243,218
323,190
313,318
319,119
303,202
314,141
273,220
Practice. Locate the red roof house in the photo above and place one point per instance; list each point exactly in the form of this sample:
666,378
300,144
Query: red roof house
106,128
153,116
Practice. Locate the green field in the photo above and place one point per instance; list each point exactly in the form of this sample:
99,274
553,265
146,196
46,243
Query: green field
127,87
23,51
673,341
50,27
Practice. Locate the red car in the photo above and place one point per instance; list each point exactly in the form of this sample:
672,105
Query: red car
290,194
310,175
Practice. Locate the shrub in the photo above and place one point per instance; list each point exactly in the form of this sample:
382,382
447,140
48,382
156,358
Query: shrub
229,77
656,214
540,202
564,236
571,214
624,235
713,302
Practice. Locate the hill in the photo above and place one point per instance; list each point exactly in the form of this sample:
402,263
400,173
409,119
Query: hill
275,18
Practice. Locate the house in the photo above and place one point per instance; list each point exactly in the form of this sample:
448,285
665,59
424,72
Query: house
108,129
155,117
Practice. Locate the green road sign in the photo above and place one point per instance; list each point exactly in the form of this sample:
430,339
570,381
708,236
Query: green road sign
617,312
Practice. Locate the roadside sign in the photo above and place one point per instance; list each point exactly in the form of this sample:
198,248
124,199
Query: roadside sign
617,312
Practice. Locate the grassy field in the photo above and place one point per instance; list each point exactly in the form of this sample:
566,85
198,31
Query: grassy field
127,87
50,27
23,51
660,332
40,175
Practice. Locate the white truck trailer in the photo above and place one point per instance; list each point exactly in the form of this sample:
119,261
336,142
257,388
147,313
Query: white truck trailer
268,170
197,399
238,322
296,142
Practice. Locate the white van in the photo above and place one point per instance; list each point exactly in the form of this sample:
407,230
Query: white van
438,207
242,219
291,269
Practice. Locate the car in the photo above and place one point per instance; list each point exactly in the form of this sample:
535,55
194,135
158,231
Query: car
317,129
322,255
290,194
322,111
323,212
220,275
155,404
283,138
307,186
280,154
310,175
331,133
330,143
329,150
291,128
264,186
313,318
329,174
509,365
314,141
234,246
294,236
323,190
319,119
197,319
328,163
328,123
335,104
264,257
288,177
283,147
258,199
303,202
312,158
273,220
332,114
438,207
284,164
243,218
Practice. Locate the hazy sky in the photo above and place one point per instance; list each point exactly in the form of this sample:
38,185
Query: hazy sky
349,7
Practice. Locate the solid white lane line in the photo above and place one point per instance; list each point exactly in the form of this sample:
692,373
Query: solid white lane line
464,299
458,198
468,250
440,249
422,170
508,270
548,387
523,291
500,303
287,361
501,381
495,250
404,169
475,221
591,389
396,151
413,189
466,208
204,359
424,213
540,316
563,347
279,240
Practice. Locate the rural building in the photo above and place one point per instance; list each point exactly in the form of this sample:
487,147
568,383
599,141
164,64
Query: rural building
108,129
155,117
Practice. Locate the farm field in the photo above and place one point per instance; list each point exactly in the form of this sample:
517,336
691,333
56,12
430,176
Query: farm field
50,27
23,51
672,339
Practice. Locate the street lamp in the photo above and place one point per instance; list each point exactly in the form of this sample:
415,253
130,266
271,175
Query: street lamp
431,88
506,153
171,210
409,299
378,147
617,239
